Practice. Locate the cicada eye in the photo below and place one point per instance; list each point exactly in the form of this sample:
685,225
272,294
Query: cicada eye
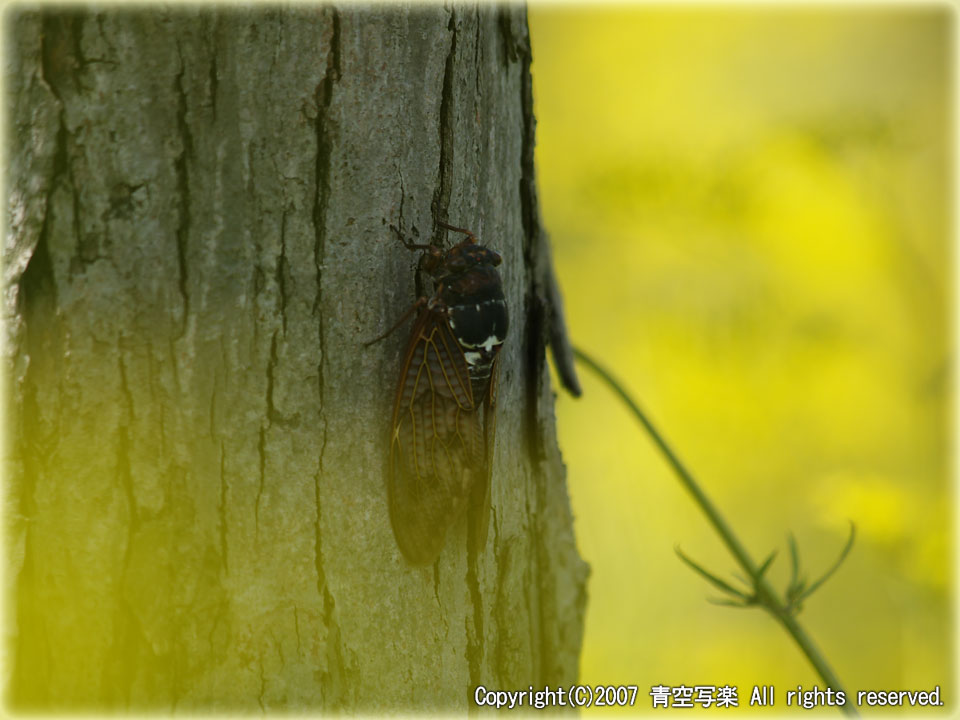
486,256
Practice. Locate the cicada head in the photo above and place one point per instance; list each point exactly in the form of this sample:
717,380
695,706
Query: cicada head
433,260
461,260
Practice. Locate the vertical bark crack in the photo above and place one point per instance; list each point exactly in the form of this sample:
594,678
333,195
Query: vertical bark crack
283,270
478,57
272,412
213,407
501,661
183,189
474,650
535,339
262,457
441,196
222,509
528,188
324,97
535,348
506,35
214,74
263,687
545,300
61,66
317,546
127,633
296,628
534,359
123,451
332,674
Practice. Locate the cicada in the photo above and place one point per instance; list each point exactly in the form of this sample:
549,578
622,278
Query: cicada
443,425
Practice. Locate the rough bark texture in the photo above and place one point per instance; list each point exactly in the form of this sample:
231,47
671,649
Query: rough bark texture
197,247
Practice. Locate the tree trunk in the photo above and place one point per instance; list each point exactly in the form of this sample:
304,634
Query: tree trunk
198,246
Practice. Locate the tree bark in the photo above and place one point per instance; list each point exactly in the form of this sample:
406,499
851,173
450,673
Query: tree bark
197,248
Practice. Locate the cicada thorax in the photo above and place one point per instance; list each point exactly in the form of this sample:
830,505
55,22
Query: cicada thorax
477,314
443,422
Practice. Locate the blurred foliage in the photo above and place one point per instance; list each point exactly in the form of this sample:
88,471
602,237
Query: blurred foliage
751,214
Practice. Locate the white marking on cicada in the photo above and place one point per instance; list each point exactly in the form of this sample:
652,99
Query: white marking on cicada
487,344
490,342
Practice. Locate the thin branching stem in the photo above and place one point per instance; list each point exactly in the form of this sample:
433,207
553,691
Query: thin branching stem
766,595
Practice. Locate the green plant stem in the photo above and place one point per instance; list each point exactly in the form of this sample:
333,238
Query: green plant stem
766,595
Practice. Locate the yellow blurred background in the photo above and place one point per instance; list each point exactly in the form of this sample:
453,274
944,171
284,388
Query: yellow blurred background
751,213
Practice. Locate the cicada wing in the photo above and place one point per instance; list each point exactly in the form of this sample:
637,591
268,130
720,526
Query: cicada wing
480,494
435,444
